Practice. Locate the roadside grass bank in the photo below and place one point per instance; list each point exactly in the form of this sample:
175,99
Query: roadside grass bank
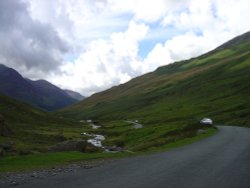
189,140
48,160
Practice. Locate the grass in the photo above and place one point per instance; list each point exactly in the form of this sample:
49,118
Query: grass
47,160
185,141
35,130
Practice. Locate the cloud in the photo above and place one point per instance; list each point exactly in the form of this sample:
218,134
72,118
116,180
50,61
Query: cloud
178,48
91,45
26,43
218,17
148,11
206,25
105,62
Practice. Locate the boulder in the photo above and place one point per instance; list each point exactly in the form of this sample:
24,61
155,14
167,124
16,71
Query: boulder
69,145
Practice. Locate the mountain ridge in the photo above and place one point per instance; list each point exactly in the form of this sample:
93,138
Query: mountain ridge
41,94
74,94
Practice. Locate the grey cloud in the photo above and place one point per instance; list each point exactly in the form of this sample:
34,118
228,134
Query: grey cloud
28,42
11,12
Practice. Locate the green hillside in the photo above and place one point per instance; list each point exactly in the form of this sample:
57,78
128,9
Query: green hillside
214,85
169,103
32,130
178,95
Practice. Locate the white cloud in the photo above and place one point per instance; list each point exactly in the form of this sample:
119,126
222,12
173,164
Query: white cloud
206,24
109,57
148,11
220,18
98,43
105,62
181,47
78,21
234,15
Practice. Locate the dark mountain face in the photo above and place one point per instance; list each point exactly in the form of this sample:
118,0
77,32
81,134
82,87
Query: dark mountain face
41,93
46,88
74,95
14,85
55,97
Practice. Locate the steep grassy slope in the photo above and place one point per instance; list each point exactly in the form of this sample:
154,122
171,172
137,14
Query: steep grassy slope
34,130
215,85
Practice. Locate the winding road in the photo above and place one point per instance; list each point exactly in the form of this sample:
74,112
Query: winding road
222,160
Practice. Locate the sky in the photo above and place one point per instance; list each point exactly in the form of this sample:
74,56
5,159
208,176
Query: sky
91,45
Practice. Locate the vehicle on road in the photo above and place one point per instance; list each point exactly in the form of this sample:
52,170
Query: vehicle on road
206,121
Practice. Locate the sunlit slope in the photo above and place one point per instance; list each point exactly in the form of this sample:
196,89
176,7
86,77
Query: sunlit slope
215,85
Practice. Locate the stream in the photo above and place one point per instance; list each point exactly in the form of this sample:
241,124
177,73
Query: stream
135,124
97,139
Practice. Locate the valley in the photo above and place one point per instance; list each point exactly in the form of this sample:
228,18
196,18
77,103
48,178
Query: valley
153,112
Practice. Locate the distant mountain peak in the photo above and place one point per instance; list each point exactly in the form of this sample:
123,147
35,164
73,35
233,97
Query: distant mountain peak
74,94
39,93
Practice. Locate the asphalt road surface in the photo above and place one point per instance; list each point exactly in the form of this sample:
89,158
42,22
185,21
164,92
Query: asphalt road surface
222,160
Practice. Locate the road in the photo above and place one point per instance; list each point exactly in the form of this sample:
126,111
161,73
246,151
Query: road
222,160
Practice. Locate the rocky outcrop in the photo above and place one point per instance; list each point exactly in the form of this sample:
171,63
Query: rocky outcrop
69,145
4,129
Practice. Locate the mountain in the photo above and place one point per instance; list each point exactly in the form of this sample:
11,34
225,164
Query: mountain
54,97
214,85
41,93
74,95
